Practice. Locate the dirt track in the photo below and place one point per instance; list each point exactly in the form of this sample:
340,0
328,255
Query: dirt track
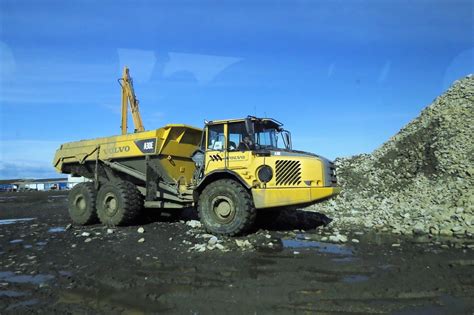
45,268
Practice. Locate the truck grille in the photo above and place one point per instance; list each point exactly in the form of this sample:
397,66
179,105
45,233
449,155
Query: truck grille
287,172
331,175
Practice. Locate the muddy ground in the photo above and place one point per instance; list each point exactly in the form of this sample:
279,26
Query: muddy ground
48,268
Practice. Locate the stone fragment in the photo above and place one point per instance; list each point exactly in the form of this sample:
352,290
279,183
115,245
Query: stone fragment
419,229
194,224
243,243
212,241
198,247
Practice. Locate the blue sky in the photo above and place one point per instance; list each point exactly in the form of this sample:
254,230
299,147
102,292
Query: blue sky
343,76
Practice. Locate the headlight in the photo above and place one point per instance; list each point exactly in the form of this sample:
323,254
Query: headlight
265,174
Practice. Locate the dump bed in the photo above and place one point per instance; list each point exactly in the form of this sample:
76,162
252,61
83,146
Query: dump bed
174,143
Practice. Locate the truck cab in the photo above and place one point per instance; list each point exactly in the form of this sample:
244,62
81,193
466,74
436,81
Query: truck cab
256,153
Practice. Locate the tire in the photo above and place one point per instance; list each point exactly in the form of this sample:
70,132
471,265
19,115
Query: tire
82,204
119,203
226,208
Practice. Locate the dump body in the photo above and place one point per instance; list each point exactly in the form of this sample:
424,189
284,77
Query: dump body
169,148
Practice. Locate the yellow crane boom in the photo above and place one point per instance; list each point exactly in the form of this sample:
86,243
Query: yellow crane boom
128,96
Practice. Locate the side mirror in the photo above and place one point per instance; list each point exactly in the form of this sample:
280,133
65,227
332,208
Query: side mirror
249,127
287,139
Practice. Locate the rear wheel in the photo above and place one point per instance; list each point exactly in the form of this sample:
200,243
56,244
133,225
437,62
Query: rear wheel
82,204
119,203
226,208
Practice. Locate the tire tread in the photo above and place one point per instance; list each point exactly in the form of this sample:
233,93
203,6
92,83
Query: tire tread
89,189
132,204
249,216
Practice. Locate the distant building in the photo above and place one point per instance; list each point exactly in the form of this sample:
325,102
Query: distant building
41,184
8,185
72,181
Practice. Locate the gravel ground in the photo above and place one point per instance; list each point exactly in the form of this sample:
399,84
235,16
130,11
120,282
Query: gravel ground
172,266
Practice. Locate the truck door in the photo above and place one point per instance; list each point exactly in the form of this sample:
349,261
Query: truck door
215,148
239,146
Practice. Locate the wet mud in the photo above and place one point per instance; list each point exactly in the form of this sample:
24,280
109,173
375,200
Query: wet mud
285,267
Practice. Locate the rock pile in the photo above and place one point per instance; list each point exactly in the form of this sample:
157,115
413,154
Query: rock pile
421,181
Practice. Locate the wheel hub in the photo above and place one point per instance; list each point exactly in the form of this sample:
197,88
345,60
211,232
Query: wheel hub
110,204
223,209
80,204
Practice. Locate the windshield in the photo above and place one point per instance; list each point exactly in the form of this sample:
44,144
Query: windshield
267,137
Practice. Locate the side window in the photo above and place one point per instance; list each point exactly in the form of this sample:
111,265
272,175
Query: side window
237,133
215,140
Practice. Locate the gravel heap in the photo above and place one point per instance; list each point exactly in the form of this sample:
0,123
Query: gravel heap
421,181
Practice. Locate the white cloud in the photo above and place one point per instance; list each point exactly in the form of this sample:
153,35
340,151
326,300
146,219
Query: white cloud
155,117
331,69
27,158
385,71
459,67
50,82
140,62
7,63
204,67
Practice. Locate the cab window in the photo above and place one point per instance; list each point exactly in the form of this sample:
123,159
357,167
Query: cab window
238,136
215,139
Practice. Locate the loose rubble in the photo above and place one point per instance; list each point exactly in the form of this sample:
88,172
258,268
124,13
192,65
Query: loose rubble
421,181
193,224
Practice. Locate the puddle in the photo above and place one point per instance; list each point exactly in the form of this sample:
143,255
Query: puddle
56,229
22,304
12,277
27,246
65,273
17,241
12,221
41,243
9,293
322,247
355,278
8,197
447,304
349,259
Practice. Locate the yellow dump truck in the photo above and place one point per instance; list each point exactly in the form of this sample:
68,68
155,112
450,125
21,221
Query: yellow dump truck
229,170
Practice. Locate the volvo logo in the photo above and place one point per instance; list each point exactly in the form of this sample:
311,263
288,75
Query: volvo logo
116,150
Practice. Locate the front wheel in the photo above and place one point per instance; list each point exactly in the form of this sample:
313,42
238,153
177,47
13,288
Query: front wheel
226,208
